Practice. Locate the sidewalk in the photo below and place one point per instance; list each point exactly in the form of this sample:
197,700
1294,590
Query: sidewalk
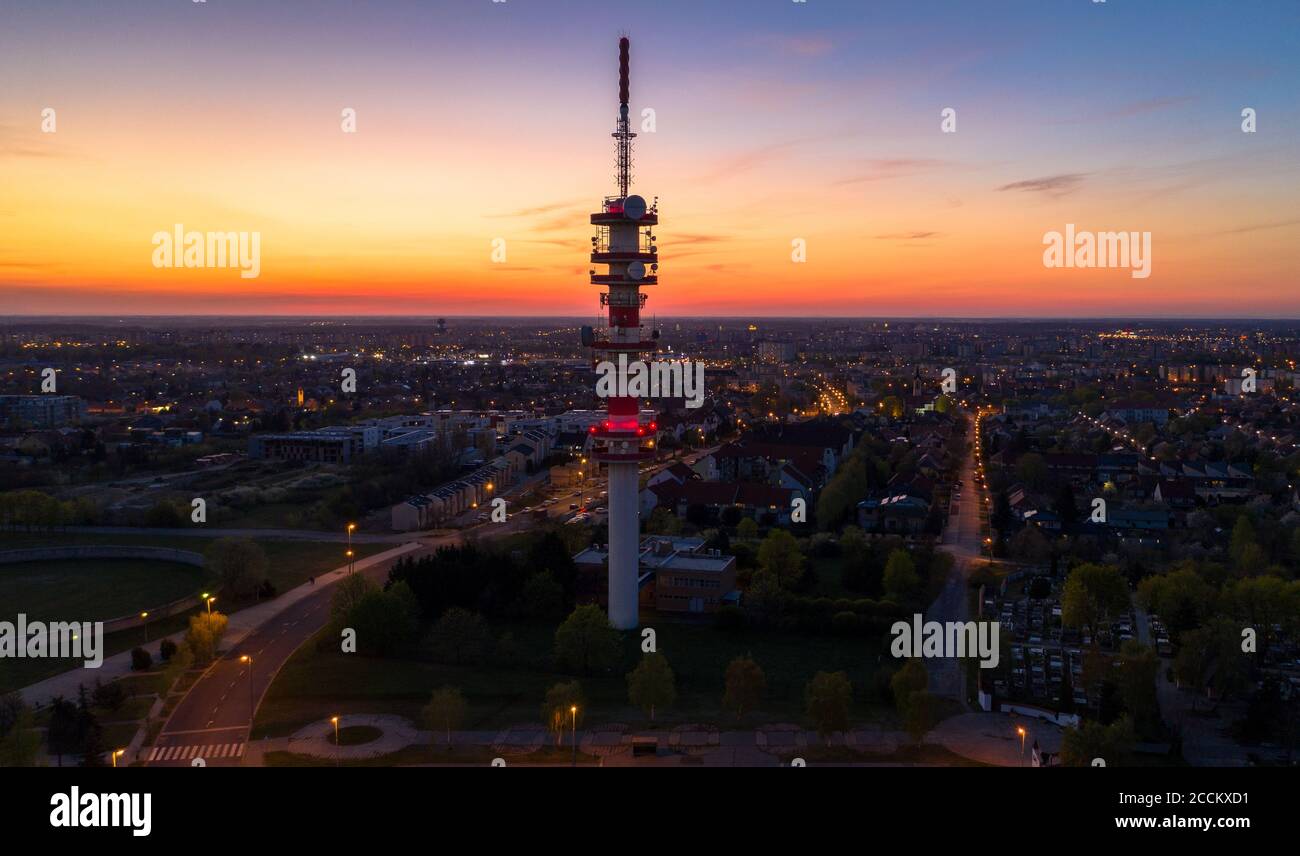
984,737
242,623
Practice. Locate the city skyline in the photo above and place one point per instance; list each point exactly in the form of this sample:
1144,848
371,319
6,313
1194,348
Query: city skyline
776,123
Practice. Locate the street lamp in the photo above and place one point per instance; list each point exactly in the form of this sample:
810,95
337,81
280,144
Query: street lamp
208,600
573,711
351,526
1020,729
116,753
249,660
335,721
144,619
349,560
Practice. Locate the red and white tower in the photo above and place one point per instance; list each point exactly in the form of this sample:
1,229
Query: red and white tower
624,241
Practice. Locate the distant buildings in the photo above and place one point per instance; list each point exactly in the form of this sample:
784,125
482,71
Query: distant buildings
427,510
777,352
334,445
674,575
40,411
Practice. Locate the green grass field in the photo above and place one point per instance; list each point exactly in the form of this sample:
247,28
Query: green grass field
315,685
83,591
95,589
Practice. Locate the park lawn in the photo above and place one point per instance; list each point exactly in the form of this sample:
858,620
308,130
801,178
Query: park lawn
315,685
289,564
95,589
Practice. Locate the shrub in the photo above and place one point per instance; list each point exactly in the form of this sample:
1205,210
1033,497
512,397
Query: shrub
140,660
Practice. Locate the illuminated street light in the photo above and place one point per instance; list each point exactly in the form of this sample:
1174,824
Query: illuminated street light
335,721
251,707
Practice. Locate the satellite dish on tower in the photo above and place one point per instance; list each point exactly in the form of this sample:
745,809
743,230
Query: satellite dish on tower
636,270
634,207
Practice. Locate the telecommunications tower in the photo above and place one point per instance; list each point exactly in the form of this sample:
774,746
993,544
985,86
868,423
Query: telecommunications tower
624,242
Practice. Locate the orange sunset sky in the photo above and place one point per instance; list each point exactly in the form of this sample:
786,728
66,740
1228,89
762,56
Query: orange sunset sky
478,121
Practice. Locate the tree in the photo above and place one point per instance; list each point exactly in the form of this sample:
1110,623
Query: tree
164,515
61,735
1210,659
460,636
1264,603
20,742
1111,743
1181,597
239,564
779,555
663,521
385,620
1139,669
911,678
348,592
747,529
900,579
744,686
827,698
918,714
764,600
140,660
541,597
586,641
445,711
563,707
1030,545
1243,537
1092,594
651,684
90,734
204,635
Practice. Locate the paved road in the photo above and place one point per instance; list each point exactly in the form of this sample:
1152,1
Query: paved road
961,538
212,721
272,534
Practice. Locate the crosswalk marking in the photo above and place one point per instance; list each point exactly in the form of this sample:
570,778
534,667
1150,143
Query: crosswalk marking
189,752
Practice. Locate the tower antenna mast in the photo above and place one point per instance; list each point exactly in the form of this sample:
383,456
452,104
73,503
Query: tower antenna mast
623,133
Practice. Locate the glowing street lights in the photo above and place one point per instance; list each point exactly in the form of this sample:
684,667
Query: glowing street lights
144,619
573,712
116,753
351,526
249,661
335,721
1020,729
208,599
